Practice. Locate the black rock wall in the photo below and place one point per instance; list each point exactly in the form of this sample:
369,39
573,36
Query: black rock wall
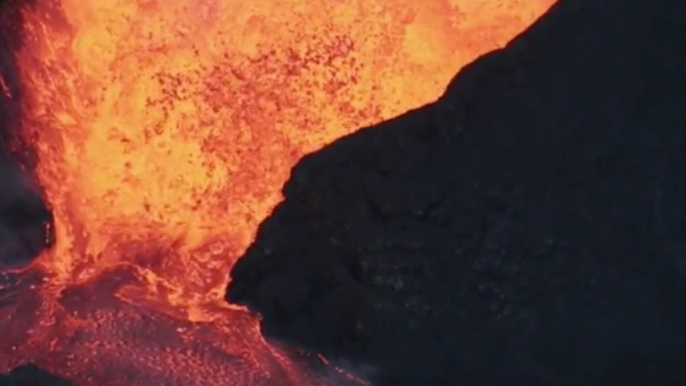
527,228
30,375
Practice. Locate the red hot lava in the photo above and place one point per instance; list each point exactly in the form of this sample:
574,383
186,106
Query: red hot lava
164,130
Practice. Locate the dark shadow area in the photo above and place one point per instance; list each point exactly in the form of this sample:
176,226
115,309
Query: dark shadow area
25,219
30,375
528,228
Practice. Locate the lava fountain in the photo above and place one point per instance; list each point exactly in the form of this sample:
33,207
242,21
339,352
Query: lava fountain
164,130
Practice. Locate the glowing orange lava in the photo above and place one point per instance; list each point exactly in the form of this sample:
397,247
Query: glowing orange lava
165,129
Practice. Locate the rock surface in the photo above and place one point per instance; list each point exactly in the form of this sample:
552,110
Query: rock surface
527,228
30,375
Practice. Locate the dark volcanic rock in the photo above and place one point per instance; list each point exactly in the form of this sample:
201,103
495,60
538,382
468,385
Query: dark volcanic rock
528,228
25,220
30,375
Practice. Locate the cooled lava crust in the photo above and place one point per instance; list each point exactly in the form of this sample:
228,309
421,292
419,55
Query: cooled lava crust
30,375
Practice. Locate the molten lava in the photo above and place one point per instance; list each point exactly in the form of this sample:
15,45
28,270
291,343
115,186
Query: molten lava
164,131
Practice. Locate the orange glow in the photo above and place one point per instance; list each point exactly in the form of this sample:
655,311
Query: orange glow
165,129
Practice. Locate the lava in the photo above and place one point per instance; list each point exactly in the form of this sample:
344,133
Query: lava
164,131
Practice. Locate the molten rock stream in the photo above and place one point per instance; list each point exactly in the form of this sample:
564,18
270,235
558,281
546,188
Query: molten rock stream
164,130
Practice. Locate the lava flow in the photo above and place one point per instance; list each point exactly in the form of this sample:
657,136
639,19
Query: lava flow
164,131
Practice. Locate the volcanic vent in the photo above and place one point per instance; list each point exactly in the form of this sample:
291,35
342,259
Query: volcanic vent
160,133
